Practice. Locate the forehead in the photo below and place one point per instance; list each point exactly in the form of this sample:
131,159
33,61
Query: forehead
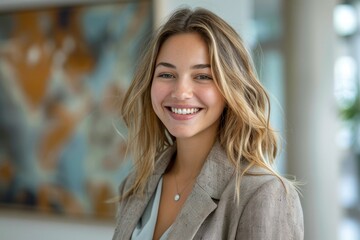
184,47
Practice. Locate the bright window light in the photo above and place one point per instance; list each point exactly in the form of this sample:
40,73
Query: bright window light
345,19
345,81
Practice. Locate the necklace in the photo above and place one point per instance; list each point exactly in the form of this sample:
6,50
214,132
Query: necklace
178,194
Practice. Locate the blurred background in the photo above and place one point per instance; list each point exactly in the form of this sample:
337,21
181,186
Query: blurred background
64,66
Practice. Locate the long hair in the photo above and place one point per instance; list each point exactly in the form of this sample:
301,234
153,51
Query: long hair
245,131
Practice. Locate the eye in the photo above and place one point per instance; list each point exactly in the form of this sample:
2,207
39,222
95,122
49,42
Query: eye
166,75
203,77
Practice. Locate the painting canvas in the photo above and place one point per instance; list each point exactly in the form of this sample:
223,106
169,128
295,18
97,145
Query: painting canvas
63,72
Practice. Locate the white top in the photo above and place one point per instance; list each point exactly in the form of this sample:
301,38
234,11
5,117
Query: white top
146,226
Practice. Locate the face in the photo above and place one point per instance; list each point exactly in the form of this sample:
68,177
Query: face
183,93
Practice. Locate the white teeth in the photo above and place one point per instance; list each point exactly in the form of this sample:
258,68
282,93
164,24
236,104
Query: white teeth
184,111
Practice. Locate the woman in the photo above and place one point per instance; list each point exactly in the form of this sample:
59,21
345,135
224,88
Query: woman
202,144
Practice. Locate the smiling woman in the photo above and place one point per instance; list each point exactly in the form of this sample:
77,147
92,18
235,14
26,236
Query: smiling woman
201,140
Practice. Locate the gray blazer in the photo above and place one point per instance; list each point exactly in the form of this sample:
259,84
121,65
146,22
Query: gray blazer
265,210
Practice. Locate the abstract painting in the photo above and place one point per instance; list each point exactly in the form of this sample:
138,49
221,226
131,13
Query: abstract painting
63,72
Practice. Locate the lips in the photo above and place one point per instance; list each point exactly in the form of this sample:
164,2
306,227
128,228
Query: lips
183,112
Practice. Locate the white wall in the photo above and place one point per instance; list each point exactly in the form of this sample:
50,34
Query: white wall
20,225
238,13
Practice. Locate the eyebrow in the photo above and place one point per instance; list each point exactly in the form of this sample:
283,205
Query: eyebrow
169,65
201,66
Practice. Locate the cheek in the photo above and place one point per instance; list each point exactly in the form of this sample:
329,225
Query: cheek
157,95
153,96
213,98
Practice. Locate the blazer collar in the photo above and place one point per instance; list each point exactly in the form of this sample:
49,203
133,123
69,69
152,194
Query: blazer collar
216,172
213,177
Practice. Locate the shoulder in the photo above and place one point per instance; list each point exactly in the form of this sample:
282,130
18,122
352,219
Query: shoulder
259,181
265,183
270,207
270,191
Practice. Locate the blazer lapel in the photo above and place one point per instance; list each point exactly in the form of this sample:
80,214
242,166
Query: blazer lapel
136,204
210,184
135,207
197,207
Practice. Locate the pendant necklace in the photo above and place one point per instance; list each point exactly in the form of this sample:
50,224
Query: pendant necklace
178,194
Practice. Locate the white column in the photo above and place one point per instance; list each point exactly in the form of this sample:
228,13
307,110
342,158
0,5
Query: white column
311,112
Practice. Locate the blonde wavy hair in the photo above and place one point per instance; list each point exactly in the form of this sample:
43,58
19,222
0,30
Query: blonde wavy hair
245,131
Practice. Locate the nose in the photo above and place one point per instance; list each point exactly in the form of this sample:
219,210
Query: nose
182,89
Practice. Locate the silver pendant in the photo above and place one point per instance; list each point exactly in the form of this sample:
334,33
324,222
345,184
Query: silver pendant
177,197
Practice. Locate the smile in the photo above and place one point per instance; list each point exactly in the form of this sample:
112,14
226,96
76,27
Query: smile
184,111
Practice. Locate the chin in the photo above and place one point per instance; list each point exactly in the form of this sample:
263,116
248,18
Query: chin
181,134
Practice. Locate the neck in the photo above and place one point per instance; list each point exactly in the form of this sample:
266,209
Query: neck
191,155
